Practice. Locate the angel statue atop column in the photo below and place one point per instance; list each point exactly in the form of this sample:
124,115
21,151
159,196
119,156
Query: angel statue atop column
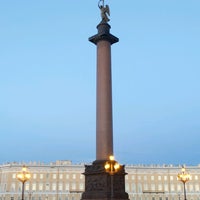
105,11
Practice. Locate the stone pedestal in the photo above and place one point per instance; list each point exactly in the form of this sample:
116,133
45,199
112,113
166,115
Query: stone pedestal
100,185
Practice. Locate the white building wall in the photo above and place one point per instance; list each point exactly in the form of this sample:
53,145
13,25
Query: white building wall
63,180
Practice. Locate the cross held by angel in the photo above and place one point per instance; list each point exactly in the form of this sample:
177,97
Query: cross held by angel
105,11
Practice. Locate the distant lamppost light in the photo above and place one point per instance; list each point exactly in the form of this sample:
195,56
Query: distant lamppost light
23,176
184,177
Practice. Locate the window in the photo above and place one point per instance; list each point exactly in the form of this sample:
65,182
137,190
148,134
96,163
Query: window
40,187
166,188
159,178
81,176
139,188
178,187
152,178
81,186
14,176
73,186
54,176
191,188
33,186
61,176
196,177
172,187
197,188
19,188
74,176
132,177
145,186
27,187
13,187
127,187
145,178
34,176
171,178
133,187
139,177
60,187
165,178
160,187
153,187
5,187
67,187
67,176
41,176
54,186
47,186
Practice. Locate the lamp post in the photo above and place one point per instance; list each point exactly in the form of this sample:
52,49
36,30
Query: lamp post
112,167
23,176
184,177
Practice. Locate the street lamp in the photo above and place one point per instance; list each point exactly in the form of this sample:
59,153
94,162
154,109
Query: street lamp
183,176
23,176
112,167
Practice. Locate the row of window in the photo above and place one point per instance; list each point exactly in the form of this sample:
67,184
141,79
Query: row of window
159,178
54,176
161,198
45,187
75,197
139,188
133,187
68,197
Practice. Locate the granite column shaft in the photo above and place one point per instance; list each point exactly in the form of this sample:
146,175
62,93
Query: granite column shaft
104,126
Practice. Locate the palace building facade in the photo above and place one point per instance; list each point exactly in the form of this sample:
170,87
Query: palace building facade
63,180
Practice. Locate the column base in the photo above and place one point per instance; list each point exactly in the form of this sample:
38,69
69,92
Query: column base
100,185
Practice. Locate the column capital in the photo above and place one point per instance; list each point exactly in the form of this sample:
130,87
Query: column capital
103,34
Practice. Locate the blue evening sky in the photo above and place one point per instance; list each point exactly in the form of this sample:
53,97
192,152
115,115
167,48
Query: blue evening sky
48,80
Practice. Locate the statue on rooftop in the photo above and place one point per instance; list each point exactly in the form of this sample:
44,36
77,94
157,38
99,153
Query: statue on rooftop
105,11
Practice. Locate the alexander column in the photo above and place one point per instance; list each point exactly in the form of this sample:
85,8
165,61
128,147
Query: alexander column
105,178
